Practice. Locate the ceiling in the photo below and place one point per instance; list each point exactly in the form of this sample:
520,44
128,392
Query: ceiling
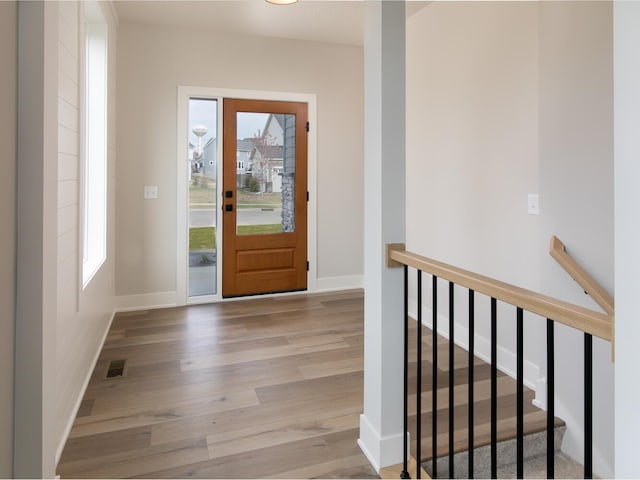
331,21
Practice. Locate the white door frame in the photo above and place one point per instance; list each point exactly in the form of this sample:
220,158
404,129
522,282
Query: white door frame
182,266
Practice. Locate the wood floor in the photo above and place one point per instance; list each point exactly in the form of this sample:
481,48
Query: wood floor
262,388
269,387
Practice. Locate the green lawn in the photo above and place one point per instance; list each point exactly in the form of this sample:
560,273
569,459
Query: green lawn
204,238
252,200
259,229
204,197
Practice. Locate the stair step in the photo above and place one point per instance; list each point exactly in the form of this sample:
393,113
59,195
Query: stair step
536,467
535,447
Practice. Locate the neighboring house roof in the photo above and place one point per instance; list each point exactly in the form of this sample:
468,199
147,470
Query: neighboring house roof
269,151
278,117
244,145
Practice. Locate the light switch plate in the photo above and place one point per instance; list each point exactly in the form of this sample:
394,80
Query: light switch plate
150,192
533,204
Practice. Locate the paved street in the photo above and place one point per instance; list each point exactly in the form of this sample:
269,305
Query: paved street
246,216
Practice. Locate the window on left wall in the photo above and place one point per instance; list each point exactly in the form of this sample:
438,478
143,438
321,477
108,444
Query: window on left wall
95,143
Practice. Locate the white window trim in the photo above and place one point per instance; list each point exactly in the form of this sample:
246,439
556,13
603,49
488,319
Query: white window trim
182,270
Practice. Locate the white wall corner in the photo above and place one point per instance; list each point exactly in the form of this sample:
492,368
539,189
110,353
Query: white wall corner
380,451
146,301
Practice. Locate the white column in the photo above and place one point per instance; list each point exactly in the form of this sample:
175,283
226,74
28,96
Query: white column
384,174
36,303
626,36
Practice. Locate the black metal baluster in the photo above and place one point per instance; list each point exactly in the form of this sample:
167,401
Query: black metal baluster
471,380
494,389
520,394
405,426
419,381
451,376
434,377
551,450
588,406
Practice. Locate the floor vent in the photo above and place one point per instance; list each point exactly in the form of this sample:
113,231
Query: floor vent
116,368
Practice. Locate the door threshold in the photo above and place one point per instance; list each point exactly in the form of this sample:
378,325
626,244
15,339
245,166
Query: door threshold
279,293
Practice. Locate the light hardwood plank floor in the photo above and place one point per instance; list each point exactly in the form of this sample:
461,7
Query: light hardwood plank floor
266,387
259,388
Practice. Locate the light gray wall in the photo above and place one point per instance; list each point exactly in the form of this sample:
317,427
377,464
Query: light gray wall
153,62
576,195
472,152
506,99
8,120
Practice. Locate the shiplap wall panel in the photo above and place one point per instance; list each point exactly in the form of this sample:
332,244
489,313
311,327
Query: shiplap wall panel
82,314
68,204
67,192
67,167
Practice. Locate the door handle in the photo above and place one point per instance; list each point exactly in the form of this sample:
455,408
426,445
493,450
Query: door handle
228,208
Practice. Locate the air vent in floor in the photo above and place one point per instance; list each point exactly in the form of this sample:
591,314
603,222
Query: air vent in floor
116,368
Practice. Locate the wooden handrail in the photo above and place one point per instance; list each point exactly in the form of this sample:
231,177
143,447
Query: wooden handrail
558,251
580,318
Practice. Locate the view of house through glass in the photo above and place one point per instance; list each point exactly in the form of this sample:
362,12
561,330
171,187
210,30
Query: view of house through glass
265,173
203,151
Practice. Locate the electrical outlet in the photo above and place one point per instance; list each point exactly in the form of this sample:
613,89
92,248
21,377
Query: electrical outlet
150,192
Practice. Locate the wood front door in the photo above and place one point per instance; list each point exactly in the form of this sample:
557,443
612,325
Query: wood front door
264,208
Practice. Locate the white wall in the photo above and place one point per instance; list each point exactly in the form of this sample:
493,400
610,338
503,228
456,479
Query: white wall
627,235
576,180
472,149
83,316
36,243
152,62
8,120
506,99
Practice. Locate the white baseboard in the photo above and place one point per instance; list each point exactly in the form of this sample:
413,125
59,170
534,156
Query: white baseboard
347,282
85,384
507,360
145,301
150,301
380,451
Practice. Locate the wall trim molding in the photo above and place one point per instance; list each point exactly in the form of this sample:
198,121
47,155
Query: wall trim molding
380,451
346,282
145,301
152,301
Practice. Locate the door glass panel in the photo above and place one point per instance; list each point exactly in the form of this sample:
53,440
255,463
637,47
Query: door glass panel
266,173
203,152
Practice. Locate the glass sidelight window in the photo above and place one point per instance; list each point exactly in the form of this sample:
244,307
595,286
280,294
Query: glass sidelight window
202,188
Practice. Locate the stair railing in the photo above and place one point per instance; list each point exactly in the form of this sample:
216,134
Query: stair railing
590,322
559,252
